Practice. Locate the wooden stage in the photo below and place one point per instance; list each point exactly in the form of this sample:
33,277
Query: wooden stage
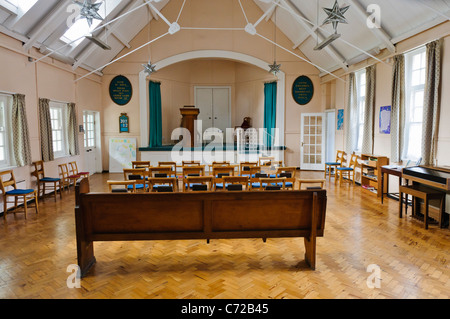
360,232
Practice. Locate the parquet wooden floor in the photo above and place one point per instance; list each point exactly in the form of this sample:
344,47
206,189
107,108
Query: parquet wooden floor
359,231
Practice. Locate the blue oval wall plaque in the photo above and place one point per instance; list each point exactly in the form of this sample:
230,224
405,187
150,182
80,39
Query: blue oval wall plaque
120,90
302,90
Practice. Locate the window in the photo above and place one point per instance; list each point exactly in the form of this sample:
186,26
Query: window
415,74
58,116
89,129
23,5
361,102
5,129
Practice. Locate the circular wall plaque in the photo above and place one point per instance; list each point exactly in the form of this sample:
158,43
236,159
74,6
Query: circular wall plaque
302,90
120,90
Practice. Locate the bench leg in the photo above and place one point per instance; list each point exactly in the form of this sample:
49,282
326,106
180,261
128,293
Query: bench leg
310,252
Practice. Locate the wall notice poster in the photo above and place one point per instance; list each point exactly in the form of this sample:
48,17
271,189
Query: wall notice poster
302,90
122,151
120,90
340,120
385,120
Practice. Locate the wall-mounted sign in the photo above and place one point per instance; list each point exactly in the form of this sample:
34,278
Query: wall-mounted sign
302,90
120,90
124,123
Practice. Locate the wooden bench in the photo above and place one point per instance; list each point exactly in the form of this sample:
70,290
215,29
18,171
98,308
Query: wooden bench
196,215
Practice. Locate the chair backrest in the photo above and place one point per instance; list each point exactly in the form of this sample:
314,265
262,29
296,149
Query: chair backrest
140,164
198,180
235,180
340,155
196,169
244,167
172,165
190,163
63,171
134,174
112,189
161,171
7,179
38,170
353,161
163,181
73,168
288,172
265,160
273,183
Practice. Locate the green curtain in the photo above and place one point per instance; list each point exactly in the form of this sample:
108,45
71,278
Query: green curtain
155,114
270,112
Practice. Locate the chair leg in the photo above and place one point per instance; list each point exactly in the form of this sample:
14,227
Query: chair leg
36,201
5,208
25,206
400,206
425,217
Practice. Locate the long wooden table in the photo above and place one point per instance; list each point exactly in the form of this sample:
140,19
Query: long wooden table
196,215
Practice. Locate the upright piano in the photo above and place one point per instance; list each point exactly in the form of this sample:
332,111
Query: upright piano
437,177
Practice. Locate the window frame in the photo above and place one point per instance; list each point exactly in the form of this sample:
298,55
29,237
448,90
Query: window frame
360,110
411,106
60,108
8,160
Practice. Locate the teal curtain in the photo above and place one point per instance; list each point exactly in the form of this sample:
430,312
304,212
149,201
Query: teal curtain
155,114
270,112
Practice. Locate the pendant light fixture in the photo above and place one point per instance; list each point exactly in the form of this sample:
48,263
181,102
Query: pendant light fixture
275,68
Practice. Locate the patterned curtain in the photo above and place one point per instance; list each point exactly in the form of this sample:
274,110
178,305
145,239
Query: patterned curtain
397,108
369,111
72,130
46,130
350,127
21,139
431,106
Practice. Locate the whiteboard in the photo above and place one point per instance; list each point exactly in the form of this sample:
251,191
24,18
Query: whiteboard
122,151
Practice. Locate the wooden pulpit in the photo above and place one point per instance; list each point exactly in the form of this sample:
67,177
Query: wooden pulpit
189,115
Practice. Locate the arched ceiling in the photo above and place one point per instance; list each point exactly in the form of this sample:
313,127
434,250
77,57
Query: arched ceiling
44,24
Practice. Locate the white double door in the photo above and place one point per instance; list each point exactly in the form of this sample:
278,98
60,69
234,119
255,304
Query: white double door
214,104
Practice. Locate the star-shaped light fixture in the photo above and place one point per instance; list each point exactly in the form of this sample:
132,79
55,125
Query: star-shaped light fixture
149,68
274,68
335,15
89,10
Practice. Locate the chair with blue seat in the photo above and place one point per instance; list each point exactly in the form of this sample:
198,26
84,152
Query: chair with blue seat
329,166
136,174
255,175
194,170
236,183
219,172
124,186
347,173
163,184
288,173
53,183
273,183
244,168
198,183
21,196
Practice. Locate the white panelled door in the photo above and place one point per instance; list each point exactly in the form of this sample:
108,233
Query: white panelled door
91,141
312,150
214,105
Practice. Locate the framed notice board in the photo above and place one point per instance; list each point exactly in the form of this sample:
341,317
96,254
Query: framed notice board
120,90
124,123
302,90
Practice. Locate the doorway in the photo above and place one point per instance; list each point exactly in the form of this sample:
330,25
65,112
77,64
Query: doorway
92,143
330,141
312,151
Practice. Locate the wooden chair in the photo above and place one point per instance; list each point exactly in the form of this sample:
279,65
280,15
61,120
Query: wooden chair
140,164
161,171
265,160
43,180
219,172
163,184
235,183
273,184
244,168
190,163
67,179
136,174
172,165
187,171
198,183
20,196
315,182
255,178
74,170
126,189
340,155
347,171
288,173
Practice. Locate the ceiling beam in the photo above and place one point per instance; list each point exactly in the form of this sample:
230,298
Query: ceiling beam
9,8
298,15
380,33
90,48
59,10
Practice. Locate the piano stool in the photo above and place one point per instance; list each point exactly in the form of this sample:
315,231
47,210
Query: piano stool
424,193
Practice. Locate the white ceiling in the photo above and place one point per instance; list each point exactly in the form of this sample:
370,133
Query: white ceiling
46,21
